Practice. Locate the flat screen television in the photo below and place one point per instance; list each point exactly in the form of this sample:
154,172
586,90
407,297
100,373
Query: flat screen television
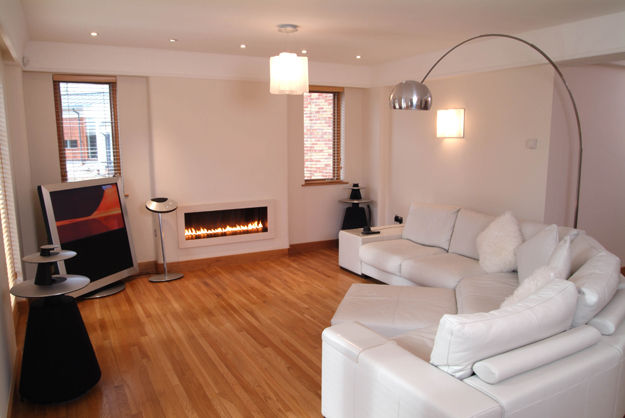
90,217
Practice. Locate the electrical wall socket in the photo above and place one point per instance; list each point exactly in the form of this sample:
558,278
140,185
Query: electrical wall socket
531,143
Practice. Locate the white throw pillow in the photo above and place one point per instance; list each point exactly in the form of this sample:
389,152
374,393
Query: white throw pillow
463,339
535,281
430,224
560,259
535,252
496,244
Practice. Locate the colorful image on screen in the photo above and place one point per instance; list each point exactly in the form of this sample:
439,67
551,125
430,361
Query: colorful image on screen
86,212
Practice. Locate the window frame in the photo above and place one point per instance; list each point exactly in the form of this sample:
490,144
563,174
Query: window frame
337,145
57,79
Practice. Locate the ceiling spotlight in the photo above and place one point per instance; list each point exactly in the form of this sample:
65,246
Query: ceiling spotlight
358,57
173,40
304,51
94,34
243,46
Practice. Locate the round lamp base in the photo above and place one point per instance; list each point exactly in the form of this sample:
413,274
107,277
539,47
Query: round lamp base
165,277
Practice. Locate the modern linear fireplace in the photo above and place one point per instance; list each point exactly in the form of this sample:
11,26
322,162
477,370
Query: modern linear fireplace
225,223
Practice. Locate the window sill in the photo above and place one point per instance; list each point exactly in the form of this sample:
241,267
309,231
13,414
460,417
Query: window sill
323,182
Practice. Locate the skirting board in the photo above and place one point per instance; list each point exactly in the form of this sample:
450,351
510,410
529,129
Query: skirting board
147,267
311,246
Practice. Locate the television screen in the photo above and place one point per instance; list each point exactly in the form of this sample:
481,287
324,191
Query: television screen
89,217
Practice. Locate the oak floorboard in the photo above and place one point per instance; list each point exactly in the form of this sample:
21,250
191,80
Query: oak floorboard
228,340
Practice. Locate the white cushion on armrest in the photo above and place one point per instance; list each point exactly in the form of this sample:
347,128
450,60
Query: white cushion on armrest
430,224
462,340
596,282
608,320
495,369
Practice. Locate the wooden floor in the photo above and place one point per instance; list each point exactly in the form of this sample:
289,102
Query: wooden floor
238,340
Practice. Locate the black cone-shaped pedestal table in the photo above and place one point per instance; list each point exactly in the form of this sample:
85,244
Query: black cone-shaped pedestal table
58,363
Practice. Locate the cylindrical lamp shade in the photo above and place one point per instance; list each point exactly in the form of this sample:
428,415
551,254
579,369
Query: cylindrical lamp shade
411,95
289,74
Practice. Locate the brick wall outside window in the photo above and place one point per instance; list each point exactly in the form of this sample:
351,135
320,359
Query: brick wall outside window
318,136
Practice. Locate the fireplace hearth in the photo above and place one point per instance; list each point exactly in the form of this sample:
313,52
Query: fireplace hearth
224,223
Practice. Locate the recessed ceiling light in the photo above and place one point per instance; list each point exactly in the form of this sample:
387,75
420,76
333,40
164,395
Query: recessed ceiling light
173,40
94,34
304,51
243,46
358,57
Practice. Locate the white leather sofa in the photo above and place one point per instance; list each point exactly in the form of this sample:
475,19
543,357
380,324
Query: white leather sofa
437,343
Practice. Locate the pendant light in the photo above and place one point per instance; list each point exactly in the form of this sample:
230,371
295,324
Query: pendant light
288,72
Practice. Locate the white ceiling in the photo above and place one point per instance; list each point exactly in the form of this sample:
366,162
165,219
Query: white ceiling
331,30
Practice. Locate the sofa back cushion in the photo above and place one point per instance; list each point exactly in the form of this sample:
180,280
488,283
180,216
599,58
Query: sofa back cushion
468,226
461,340
430,224
596,282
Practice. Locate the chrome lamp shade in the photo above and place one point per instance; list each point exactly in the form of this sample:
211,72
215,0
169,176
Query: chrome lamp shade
411,95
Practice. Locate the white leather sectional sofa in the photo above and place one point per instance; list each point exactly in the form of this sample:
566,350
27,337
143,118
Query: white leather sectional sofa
437,341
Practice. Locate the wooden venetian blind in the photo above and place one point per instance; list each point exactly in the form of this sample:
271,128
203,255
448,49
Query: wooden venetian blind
322,134
8,219
86,121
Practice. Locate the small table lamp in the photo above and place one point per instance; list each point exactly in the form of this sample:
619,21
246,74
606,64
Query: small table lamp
162,205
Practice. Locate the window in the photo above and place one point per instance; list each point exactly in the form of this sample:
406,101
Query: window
8,219
322,135
86,118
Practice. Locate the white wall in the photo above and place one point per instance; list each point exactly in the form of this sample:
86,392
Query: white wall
137,168
219,141
315,213
490,169
599,92
376,151
42,157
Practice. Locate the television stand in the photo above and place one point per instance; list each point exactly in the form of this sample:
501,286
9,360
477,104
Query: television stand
105,291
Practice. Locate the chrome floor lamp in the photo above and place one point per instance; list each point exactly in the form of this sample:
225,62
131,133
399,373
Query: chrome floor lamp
162,205
414,95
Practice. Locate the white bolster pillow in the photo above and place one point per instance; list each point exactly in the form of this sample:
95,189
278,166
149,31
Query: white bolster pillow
500,367
608,320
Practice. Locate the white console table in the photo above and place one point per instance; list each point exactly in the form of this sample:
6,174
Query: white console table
350,241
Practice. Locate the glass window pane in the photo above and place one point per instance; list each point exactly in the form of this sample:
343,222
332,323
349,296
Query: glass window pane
318,136
88,130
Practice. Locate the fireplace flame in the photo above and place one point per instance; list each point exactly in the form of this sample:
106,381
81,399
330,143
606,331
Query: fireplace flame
193,233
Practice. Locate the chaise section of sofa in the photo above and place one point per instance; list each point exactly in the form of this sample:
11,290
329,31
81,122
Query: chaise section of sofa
443,334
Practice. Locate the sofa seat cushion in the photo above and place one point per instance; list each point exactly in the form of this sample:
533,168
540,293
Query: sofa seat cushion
485,292
393,310
441,270
388,255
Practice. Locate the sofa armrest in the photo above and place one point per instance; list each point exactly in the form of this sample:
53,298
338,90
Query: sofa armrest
350,241
582,385
391,381
500,367
342,344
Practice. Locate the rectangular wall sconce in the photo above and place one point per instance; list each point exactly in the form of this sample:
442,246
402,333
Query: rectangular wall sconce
450,123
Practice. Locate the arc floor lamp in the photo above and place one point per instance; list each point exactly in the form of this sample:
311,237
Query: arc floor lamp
414,95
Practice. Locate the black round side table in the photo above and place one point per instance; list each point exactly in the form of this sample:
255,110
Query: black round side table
58,361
